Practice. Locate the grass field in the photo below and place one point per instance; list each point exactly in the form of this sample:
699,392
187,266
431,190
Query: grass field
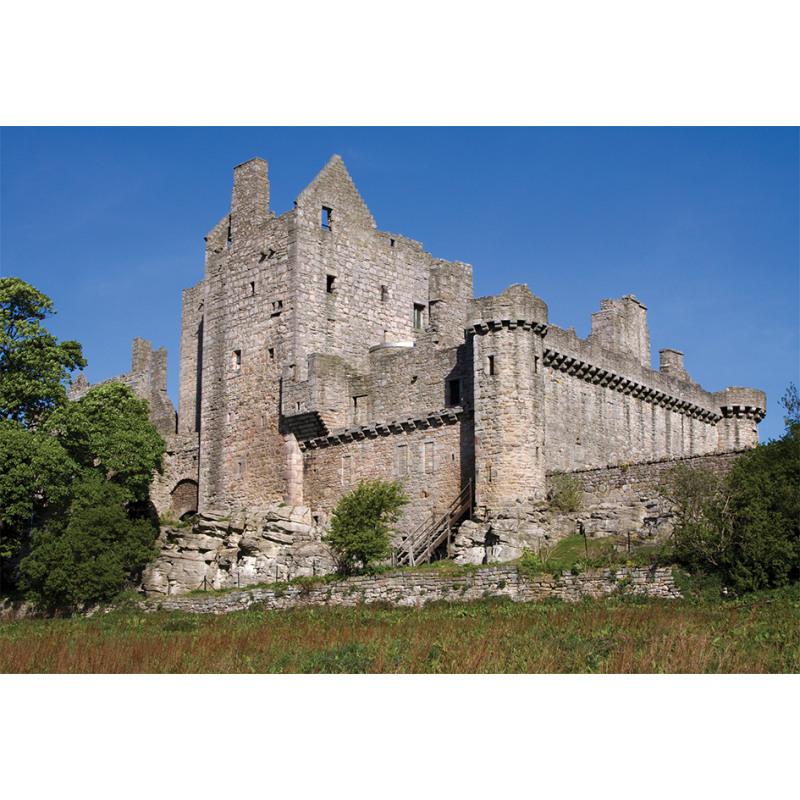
757,635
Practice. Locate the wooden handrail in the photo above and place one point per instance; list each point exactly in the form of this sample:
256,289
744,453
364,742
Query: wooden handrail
431,532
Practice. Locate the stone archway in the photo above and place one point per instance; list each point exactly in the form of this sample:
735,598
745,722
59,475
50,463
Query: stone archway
184,498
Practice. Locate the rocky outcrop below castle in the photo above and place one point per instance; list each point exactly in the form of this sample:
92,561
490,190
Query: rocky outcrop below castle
243,549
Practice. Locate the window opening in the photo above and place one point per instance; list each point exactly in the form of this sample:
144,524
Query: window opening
330,284
427,456
271,353
327,214
252,287
360,409
402,459
391,242
237,359
347,469
490,369
277,307
419,311
454,392
384,293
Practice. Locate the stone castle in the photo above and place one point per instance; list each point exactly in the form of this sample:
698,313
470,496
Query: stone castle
318,351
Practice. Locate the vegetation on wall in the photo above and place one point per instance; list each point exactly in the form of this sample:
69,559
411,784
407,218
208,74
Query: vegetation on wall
74,475
565,492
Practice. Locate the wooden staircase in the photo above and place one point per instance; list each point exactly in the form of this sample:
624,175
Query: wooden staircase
420,546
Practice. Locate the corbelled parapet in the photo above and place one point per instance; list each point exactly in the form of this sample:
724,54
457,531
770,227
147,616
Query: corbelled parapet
517,306
742,409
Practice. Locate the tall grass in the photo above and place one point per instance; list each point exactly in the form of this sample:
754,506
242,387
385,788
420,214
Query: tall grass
491,636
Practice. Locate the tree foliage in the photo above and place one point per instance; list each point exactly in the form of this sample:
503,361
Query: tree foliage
109,430
744,527
361,523
74,476
85,555
34,366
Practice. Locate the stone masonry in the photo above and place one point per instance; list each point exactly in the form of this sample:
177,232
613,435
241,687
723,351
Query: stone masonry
318,351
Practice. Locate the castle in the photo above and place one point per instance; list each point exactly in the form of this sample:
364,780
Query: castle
318,351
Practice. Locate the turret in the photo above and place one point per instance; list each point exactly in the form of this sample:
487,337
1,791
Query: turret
506,332
742,409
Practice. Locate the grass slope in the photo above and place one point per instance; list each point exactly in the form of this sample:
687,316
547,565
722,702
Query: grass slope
756,635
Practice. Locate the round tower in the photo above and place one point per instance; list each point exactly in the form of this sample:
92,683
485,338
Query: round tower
506,332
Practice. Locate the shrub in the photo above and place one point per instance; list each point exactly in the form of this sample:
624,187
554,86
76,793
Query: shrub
361,524
565,492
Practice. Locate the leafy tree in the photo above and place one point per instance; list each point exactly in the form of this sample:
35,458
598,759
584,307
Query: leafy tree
703,531
75,474
109,430
34,365
36,475
86,555
361,523
744,527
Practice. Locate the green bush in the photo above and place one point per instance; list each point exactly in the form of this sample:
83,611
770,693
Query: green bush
565,492
361,524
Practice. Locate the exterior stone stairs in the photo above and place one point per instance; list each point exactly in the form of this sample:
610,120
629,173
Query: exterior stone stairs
421,545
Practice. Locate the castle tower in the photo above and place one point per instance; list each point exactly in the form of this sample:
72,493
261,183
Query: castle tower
506,332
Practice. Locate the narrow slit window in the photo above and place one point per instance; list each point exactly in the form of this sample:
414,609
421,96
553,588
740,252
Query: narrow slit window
490,367
327,218
237,359
384,293
454,392
271,353
402,459
252,287
419,313
330,284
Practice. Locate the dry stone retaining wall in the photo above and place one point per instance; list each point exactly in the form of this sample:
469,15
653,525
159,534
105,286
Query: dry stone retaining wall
418,588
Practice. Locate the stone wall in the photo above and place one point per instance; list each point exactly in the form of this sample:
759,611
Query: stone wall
417,588
617,503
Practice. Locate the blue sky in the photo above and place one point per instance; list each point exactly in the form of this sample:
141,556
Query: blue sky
700,223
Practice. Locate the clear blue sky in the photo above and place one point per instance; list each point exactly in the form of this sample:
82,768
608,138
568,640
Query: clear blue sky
701,224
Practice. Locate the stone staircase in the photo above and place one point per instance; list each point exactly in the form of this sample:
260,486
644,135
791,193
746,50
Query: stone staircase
420,546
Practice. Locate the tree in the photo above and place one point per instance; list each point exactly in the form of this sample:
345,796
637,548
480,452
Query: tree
85,555
34,366
109,430
361,523
36,475
86,549
744,527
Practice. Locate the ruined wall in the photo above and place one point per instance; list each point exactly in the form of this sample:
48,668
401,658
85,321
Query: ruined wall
147,380
246,338
416,589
